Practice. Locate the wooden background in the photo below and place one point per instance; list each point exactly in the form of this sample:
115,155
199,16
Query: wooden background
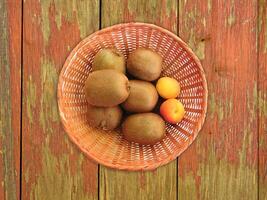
228,160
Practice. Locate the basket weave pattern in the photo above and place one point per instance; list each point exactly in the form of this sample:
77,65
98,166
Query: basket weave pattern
109,148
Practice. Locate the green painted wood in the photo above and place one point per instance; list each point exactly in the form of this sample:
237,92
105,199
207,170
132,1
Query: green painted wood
262,101
161,183
10,98
52,167
222,163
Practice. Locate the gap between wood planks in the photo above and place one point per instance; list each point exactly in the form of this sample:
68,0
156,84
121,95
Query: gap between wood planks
98,166
177,159
258,111
21,103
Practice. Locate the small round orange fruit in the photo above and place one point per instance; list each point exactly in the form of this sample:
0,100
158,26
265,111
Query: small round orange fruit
172,110
168,88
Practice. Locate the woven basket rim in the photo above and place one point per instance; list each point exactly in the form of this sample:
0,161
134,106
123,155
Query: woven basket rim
148,166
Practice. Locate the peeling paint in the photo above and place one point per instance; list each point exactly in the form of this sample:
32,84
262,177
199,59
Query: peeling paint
27,175
200,50
158,12
265,35
55,172
187,187
58,175
221,179
262,142
212,105
6,130
49,109
220,108
58,20
31,98
209,6
64,9
204,22
263,103
45,20
263,191
197,45
150,182
225,171
255,97
229,104
252,102
70,12
231,17
169,7
261,9
192,15
261,19
1,124
220,111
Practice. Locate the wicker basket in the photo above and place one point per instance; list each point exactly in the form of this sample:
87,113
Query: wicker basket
109,148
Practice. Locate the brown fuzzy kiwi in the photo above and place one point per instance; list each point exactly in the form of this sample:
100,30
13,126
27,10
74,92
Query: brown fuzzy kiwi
109,59
144,128
106,88
106,118
144,64
143,97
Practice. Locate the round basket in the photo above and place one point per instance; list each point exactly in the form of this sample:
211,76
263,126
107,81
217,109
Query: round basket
110,148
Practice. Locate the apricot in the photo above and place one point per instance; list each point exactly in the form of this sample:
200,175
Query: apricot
168,88
172,110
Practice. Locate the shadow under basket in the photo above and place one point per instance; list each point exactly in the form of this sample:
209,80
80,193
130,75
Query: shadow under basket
110,148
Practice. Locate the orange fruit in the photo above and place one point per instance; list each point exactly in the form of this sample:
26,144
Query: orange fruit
172,110
168,88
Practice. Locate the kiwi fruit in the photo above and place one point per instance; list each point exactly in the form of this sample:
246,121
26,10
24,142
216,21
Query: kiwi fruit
144,64
106,88
109,59
144,128
143,97
106,118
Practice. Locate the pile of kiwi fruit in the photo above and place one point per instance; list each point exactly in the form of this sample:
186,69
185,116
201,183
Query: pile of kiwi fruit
121,94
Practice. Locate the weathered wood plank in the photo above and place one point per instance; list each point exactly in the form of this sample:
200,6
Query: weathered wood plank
222,163
159,12
262,99
161,183
53,168
10,98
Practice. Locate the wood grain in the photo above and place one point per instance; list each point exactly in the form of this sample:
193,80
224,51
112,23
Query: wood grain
10,98
262,100
52,167
161,183
222,163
